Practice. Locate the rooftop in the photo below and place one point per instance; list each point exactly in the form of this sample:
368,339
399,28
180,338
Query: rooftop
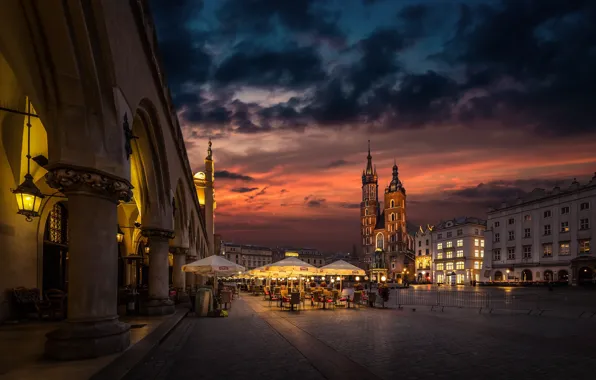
460,222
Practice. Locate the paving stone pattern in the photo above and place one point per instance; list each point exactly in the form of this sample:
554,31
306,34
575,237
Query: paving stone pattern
387,343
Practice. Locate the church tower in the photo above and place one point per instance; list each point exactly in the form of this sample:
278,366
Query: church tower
204,184
395,213
369,207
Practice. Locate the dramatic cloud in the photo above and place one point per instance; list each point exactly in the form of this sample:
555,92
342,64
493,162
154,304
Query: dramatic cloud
467,96
224,174
243,189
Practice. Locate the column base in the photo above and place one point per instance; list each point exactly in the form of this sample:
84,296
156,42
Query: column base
158,307
85,340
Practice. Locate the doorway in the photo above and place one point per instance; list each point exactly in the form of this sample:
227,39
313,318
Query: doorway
585,276
55,249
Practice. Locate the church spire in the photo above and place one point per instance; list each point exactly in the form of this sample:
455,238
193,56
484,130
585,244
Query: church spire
369,167
209,151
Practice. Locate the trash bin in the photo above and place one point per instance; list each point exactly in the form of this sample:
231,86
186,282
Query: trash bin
203,302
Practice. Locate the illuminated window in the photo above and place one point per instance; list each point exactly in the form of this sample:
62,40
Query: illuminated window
440,246
449,244
564,249
482,253
460,253
476,253
584,246
449,254
449,266
476,242
440,266
459,265
547,250
439,255
482,243
460,243
476,265
564,226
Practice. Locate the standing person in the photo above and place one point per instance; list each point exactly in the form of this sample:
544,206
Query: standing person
220,287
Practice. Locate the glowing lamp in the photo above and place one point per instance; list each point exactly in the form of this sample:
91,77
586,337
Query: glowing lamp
147,249
332,280
119,235
29,198
383,278
338,278
357,278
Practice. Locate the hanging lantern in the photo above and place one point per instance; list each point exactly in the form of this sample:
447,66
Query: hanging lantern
119,235
29,198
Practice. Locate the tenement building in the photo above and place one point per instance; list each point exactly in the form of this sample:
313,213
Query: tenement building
545,236
458,251
308,255
96,187
423,248
383,224
249,256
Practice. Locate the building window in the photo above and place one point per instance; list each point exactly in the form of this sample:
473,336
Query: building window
564,249
449,266
547,229
564,210
511,221
57,231
477,265
426,241
584,224
459,265
440,236
547,214
511,235
476,253
584,206
482,253
497,224
584,247
511,253
420,243
449,244
497,254
476,242
439,245
476,231
497,237
439,255
460,232
564,226
449,254
419,252
482,242
547,250
526,233
392,203
440,266
460,243
460,253
527,217
527,251
427,251
449,234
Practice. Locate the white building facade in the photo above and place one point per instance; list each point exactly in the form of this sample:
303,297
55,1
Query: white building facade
249,256
458,247
423,244
546,236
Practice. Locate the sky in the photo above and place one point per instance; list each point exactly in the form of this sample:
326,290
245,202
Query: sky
477,101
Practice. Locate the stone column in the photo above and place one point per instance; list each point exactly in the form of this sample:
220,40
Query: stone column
178,277
159,302
92,328
190,277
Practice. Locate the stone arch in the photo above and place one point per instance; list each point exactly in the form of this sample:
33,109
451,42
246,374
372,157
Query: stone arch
526,275
563,276
498,276
181,238
149,169
548,275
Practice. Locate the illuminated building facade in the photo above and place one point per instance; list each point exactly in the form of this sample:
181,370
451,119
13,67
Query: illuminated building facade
383,224
545,236
249,256
423,243
458,250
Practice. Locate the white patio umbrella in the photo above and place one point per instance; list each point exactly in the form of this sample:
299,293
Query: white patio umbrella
341,268
213,265
292,266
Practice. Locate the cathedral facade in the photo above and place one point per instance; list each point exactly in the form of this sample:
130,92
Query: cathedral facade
383,223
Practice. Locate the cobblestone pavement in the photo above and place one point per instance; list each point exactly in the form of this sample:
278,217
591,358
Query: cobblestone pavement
372,344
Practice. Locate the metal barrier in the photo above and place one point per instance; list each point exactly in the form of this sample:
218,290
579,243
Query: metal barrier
445,298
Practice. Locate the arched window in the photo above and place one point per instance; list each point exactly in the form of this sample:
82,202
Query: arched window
392,217
366,212
392,203
56,227
380,242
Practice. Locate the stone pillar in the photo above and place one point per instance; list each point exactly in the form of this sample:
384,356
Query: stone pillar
178,277
190,277
159,302
92,328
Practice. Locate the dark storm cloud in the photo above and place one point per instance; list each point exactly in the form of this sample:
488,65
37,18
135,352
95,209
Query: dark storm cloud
336,164
263,191
181,48
224,174
261,17
243,189
312,201
294,67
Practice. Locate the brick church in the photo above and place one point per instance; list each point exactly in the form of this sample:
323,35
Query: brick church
383,223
